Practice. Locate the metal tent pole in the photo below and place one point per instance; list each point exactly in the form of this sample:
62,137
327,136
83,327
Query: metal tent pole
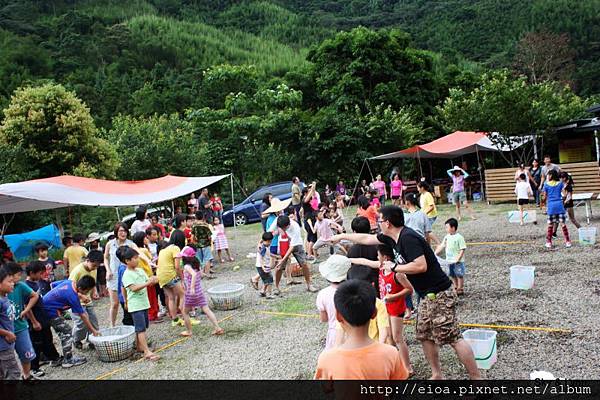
358,178
480,167
232,202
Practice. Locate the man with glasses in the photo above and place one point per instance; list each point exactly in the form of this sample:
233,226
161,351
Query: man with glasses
436,324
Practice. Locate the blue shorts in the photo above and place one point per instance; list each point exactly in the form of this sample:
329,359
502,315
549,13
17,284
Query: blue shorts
140,320
23,346
172,282
457,270
204,255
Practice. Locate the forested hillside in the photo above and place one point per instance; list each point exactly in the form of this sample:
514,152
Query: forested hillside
276,80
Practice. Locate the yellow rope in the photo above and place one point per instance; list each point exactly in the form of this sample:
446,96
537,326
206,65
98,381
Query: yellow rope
409,322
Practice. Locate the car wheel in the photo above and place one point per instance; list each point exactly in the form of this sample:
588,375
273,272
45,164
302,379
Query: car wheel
240,219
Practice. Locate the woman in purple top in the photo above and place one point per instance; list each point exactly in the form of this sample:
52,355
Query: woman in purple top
458,176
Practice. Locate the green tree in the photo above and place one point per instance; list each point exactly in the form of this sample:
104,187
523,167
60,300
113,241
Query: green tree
150,147
511,107
364,67
51,132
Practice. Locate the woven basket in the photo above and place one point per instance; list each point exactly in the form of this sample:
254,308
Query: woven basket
115,344
227,296
296,270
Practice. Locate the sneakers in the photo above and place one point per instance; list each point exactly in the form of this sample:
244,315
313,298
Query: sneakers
270,297
568,245
554,235
56,363
548,245
194,321
78,345
162,312
276,292
37,373
177,322
192,313
73,362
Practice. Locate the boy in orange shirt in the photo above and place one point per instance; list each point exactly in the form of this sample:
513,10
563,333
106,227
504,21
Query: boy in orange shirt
359,357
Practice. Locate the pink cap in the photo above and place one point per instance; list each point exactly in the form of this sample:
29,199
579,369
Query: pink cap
187,251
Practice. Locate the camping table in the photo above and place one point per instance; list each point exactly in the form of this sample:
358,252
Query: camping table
584,199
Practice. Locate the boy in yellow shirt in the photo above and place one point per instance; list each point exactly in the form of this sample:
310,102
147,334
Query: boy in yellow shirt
74,254
379,327
87,268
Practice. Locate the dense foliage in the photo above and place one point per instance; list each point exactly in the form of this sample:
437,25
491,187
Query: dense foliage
271,89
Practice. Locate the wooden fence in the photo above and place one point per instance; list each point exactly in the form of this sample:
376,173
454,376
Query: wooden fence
500,183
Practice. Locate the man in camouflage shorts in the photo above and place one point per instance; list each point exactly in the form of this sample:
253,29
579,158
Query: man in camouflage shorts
436,319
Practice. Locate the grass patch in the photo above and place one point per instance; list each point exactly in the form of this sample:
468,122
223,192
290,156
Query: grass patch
297,305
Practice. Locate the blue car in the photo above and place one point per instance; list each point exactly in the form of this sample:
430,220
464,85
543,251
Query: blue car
248,211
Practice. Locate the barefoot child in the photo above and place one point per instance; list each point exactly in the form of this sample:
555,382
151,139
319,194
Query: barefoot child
221,242
334,270
455,246
135,282
359,357
194,294
523,191
393,289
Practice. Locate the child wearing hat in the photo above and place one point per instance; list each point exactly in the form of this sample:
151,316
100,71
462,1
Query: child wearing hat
459,195
334,270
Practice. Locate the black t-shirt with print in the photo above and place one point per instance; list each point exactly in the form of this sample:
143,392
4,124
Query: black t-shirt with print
411,246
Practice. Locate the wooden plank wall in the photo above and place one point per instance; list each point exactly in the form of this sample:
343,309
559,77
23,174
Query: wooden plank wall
500,183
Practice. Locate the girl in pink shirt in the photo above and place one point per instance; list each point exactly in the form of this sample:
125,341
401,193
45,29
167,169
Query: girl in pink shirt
396,189
379,185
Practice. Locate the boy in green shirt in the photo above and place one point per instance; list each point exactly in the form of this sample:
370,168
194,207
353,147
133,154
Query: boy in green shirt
135,281
23,298
455,246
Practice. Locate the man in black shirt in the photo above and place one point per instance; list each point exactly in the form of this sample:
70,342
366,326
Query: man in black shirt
437,324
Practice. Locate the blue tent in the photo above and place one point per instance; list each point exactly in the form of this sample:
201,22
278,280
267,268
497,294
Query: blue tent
22,244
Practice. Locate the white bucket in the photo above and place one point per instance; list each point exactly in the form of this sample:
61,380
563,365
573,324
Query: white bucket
587,236
529,216
483,344
521,277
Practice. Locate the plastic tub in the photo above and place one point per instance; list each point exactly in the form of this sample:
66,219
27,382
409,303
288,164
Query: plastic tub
477,196
115,344
483,344
227,296
521,277
529,216
587,236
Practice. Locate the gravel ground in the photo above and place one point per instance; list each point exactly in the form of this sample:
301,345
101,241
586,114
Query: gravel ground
262,346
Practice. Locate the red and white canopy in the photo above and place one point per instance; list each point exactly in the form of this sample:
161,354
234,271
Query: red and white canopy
453,145
66,190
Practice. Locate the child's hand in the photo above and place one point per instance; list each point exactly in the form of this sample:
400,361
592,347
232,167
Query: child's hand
10,337
96,333
389,298
36,326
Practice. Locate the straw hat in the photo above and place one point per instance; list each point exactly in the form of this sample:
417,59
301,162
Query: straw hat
278,205
335,268
92,237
